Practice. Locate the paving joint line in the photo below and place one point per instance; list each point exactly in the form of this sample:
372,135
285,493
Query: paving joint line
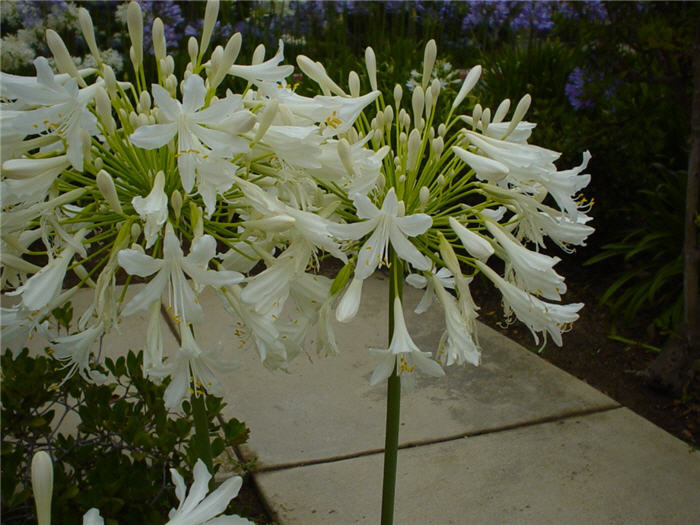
433,441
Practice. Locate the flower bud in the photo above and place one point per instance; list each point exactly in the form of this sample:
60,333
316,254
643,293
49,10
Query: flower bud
135,231
274,224
424,195
476,115
398,93
417,102
519,113
268,115
42,485
210,14
98,163
428,103
501,111
233,47
103,108
64,62
401,209
448,255
474,243
345,157
170,63
258,55
105,183
469,82
196,220
371,64
442,130
142,119
428,62
354,84
159,44
485,119
381,182
435,87
192,49
438,145
109,78
414,142
388,115
171,84
88,32
134,22
350,303
176,203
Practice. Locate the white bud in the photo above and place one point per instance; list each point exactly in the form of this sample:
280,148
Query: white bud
398,93
268,115
171,84
485,119
352,136
105,183
428,62
135,231
103,108
159,43
476,115
371,64
519,113
474,243
401,211
414,142
438,146
133,120
388,115
501,111
345,157
233,47
381,182
417,102
441,180
99,163
64,62
402,118
428,103
192,49
354,84
442,130
402,179
88,32
403,137
435,87
420,124
196,220
134,22
469,82
145,101
42,486
274,224
109,78
258,55
176,203
143,120
424,195
170,63
210,14
431,133
373,123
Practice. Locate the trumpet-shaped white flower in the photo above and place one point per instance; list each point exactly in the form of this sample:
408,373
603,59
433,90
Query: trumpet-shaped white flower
350,303
170,272
403,354
195,508
537,315
76,350
386,226
474,243
190,123
28,180
153,209
443,276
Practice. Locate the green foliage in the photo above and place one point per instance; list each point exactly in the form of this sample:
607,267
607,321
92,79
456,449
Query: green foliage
651,254
119,457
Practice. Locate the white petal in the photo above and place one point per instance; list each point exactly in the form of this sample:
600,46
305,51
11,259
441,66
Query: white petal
384,368
168,105
194,93
138,263
415,224
153,136
350,303
406,250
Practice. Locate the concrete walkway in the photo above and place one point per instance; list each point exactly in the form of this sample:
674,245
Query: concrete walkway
515,440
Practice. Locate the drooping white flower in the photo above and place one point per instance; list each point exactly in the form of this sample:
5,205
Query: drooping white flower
386,226
402,354
196,508
350,303
76,350
269,70
170,272
191,371
474,243
444,277
537,315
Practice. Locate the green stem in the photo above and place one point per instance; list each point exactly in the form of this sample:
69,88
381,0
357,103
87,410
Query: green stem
201,433
393,404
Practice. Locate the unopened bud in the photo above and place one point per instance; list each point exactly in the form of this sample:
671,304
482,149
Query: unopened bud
134,22
485,119
196,220
417,102
476,115
435,87
345,157
438,146
268,115
98,163
501,111
159,43
428,103
441,180
176,203
192,49
414,141
354,84
145,101
428,62
398,93
42,486
135,231
258,55
109,78
519,113
88,32
171,84
469,82
442,130
371,64
424,195
275,224
103,108
64,62
210,14
388,115
401,211
105,184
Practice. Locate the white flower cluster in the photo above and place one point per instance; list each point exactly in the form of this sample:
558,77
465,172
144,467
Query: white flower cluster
186,185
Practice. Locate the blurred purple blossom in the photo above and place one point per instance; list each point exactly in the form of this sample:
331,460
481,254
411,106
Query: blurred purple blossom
171,15
575,89
533,15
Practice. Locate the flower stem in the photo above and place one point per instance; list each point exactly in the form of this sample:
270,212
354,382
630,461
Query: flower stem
393,404
202,444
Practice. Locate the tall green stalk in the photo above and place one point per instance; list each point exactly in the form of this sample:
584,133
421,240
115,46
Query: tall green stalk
201,433
393,403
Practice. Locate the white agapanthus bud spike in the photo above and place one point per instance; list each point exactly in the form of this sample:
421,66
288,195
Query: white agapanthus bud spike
354,84
371,64
169,66
233,47
105,183
42,486
428,62
171,84
501,111
417,103
64,62
134,22
398,93
159,44
519,113
468,84
192,49
268,115
210,14
88,32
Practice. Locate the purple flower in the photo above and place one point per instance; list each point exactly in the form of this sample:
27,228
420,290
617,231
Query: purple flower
171,15
535,15
574,89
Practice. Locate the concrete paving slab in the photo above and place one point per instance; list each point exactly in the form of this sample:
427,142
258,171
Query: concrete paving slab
612,467
326,408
